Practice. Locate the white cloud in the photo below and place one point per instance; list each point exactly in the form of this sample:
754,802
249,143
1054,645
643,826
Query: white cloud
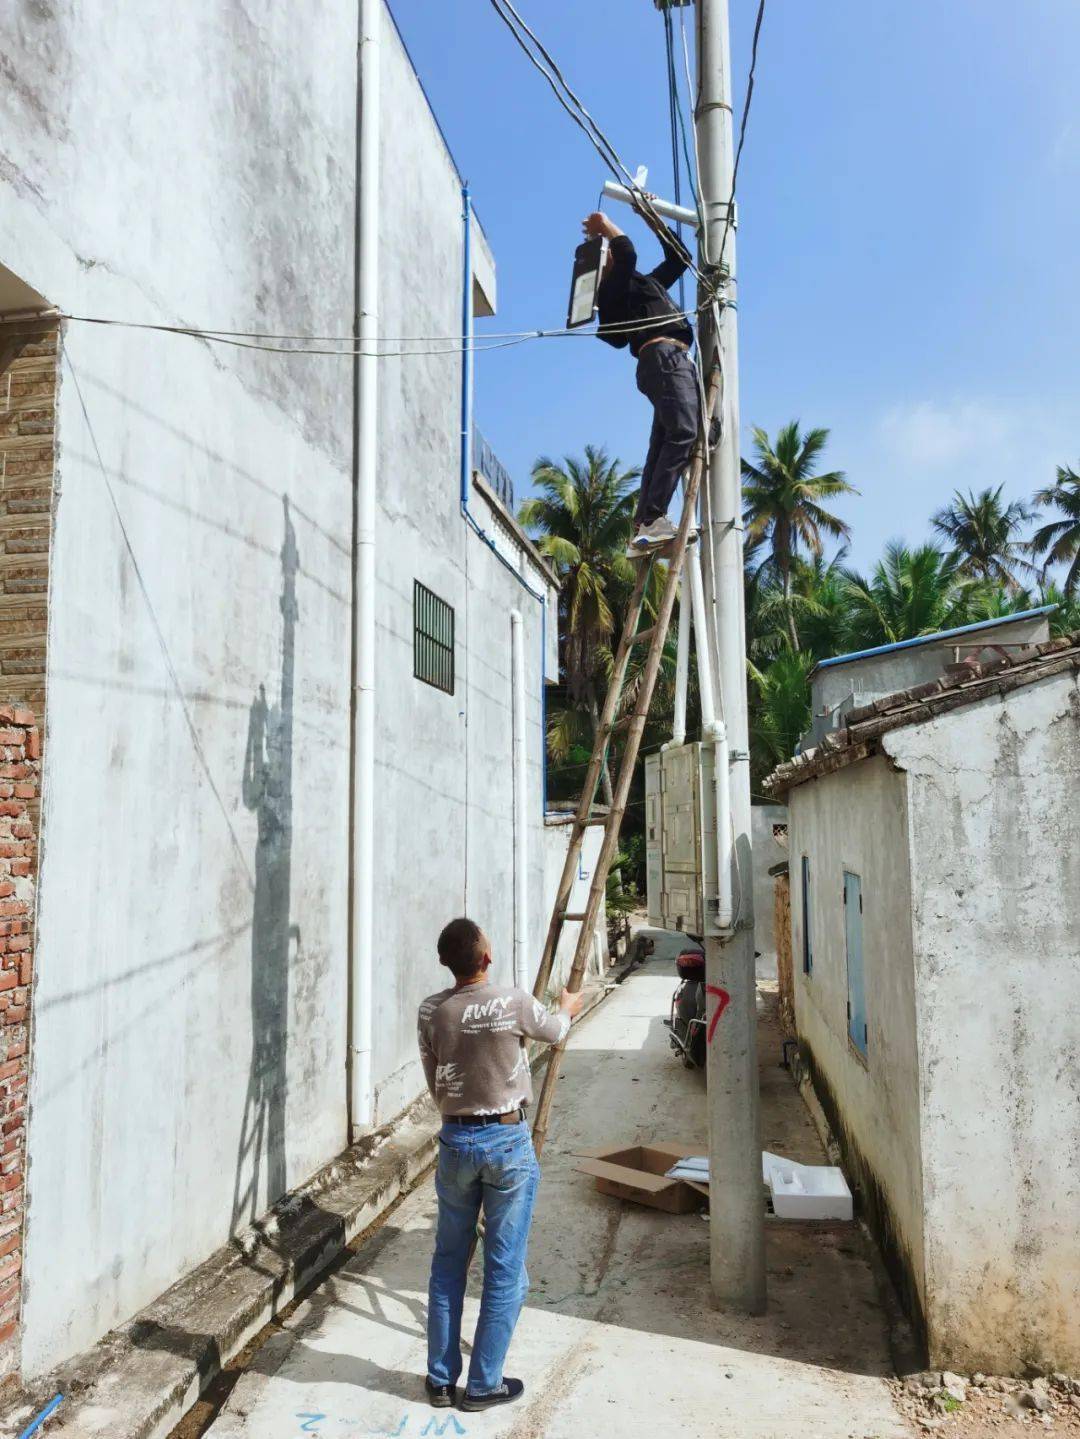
929,434
909,458
982,441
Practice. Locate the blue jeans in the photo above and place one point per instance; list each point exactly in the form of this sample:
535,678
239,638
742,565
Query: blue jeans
490,1166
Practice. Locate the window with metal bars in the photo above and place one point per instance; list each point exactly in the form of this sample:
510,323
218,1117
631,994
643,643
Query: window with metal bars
433,639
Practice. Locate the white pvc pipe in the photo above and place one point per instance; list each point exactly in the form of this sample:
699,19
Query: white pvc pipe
722,784
521,814
714,731
701,642
670,211
361,1098
682,664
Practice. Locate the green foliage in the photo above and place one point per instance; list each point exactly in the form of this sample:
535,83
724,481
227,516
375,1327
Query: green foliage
985,535
908,593
1058,541
782,506
779,708
801,606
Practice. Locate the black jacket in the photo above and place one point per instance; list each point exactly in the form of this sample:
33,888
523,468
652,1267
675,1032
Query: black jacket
628,298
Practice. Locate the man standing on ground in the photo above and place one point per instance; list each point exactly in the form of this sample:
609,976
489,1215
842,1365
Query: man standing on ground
635,310
472,1042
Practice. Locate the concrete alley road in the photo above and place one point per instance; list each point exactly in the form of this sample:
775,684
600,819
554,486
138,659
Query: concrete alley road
618,1335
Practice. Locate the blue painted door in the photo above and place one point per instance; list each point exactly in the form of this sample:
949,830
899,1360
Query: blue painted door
856,987
807,937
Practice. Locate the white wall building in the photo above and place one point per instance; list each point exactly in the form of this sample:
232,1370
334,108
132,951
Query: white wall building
188,626
935,864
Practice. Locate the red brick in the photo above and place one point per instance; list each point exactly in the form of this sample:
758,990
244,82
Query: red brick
17,943
10,1069
20,868
7,1330
26,968
10,1182
24,716
33,743
8,980
13,906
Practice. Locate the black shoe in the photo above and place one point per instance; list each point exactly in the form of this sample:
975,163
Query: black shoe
440,1396
507,1392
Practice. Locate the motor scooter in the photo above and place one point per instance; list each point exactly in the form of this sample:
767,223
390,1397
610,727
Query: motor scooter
687,1023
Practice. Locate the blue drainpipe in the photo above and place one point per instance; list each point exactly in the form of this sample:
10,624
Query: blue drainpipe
466,472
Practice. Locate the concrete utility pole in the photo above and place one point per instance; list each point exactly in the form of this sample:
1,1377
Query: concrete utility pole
737,1224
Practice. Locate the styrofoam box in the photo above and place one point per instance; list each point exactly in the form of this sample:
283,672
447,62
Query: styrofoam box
805,1191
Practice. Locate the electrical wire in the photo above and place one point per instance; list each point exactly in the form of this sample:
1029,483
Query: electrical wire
448,344
742,127
673,117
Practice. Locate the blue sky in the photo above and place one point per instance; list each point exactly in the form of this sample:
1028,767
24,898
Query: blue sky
908,245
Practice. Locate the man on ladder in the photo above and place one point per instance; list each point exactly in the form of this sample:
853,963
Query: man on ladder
636,311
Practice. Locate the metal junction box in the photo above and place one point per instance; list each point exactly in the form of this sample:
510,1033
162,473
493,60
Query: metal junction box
680,839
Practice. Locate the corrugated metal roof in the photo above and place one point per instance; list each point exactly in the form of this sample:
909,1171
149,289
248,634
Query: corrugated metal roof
934,638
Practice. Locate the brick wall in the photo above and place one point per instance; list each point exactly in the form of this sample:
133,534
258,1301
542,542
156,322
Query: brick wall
28,371
28,366
20,767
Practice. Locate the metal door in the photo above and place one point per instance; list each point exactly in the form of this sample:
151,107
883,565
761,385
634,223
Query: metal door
856,1007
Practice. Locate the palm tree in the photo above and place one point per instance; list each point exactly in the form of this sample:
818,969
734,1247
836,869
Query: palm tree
1059,541
582,519
911,592
779,709
985,534
782,499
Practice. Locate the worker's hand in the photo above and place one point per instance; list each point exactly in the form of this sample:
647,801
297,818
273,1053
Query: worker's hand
571,1004
599,224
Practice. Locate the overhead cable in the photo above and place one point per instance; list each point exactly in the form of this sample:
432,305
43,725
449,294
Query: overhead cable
572,104
347,347
742,127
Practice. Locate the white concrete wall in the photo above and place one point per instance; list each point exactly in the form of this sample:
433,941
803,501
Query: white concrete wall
187,164
995,829
767,852
555,841
444,798
196,166
856,820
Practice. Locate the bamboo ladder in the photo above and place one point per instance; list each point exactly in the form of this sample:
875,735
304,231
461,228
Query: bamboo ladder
634,725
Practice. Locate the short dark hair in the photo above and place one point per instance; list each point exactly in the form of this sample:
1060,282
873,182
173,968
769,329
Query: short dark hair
461,947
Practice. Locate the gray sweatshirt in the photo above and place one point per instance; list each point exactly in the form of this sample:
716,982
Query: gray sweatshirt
472,1043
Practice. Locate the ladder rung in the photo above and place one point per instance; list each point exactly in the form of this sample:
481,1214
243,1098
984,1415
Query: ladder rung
643,635
574,916
624,723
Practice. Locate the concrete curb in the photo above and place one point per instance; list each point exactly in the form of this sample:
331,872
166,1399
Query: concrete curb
140,1380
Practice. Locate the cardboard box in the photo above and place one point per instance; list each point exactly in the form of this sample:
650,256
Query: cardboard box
636,1172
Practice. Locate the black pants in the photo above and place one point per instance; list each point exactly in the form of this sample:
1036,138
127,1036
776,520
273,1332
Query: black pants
666,376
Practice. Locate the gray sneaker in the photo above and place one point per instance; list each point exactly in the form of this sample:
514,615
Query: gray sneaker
653,536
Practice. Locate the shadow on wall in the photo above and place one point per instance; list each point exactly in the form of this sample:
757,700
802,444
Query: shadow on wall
267,790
